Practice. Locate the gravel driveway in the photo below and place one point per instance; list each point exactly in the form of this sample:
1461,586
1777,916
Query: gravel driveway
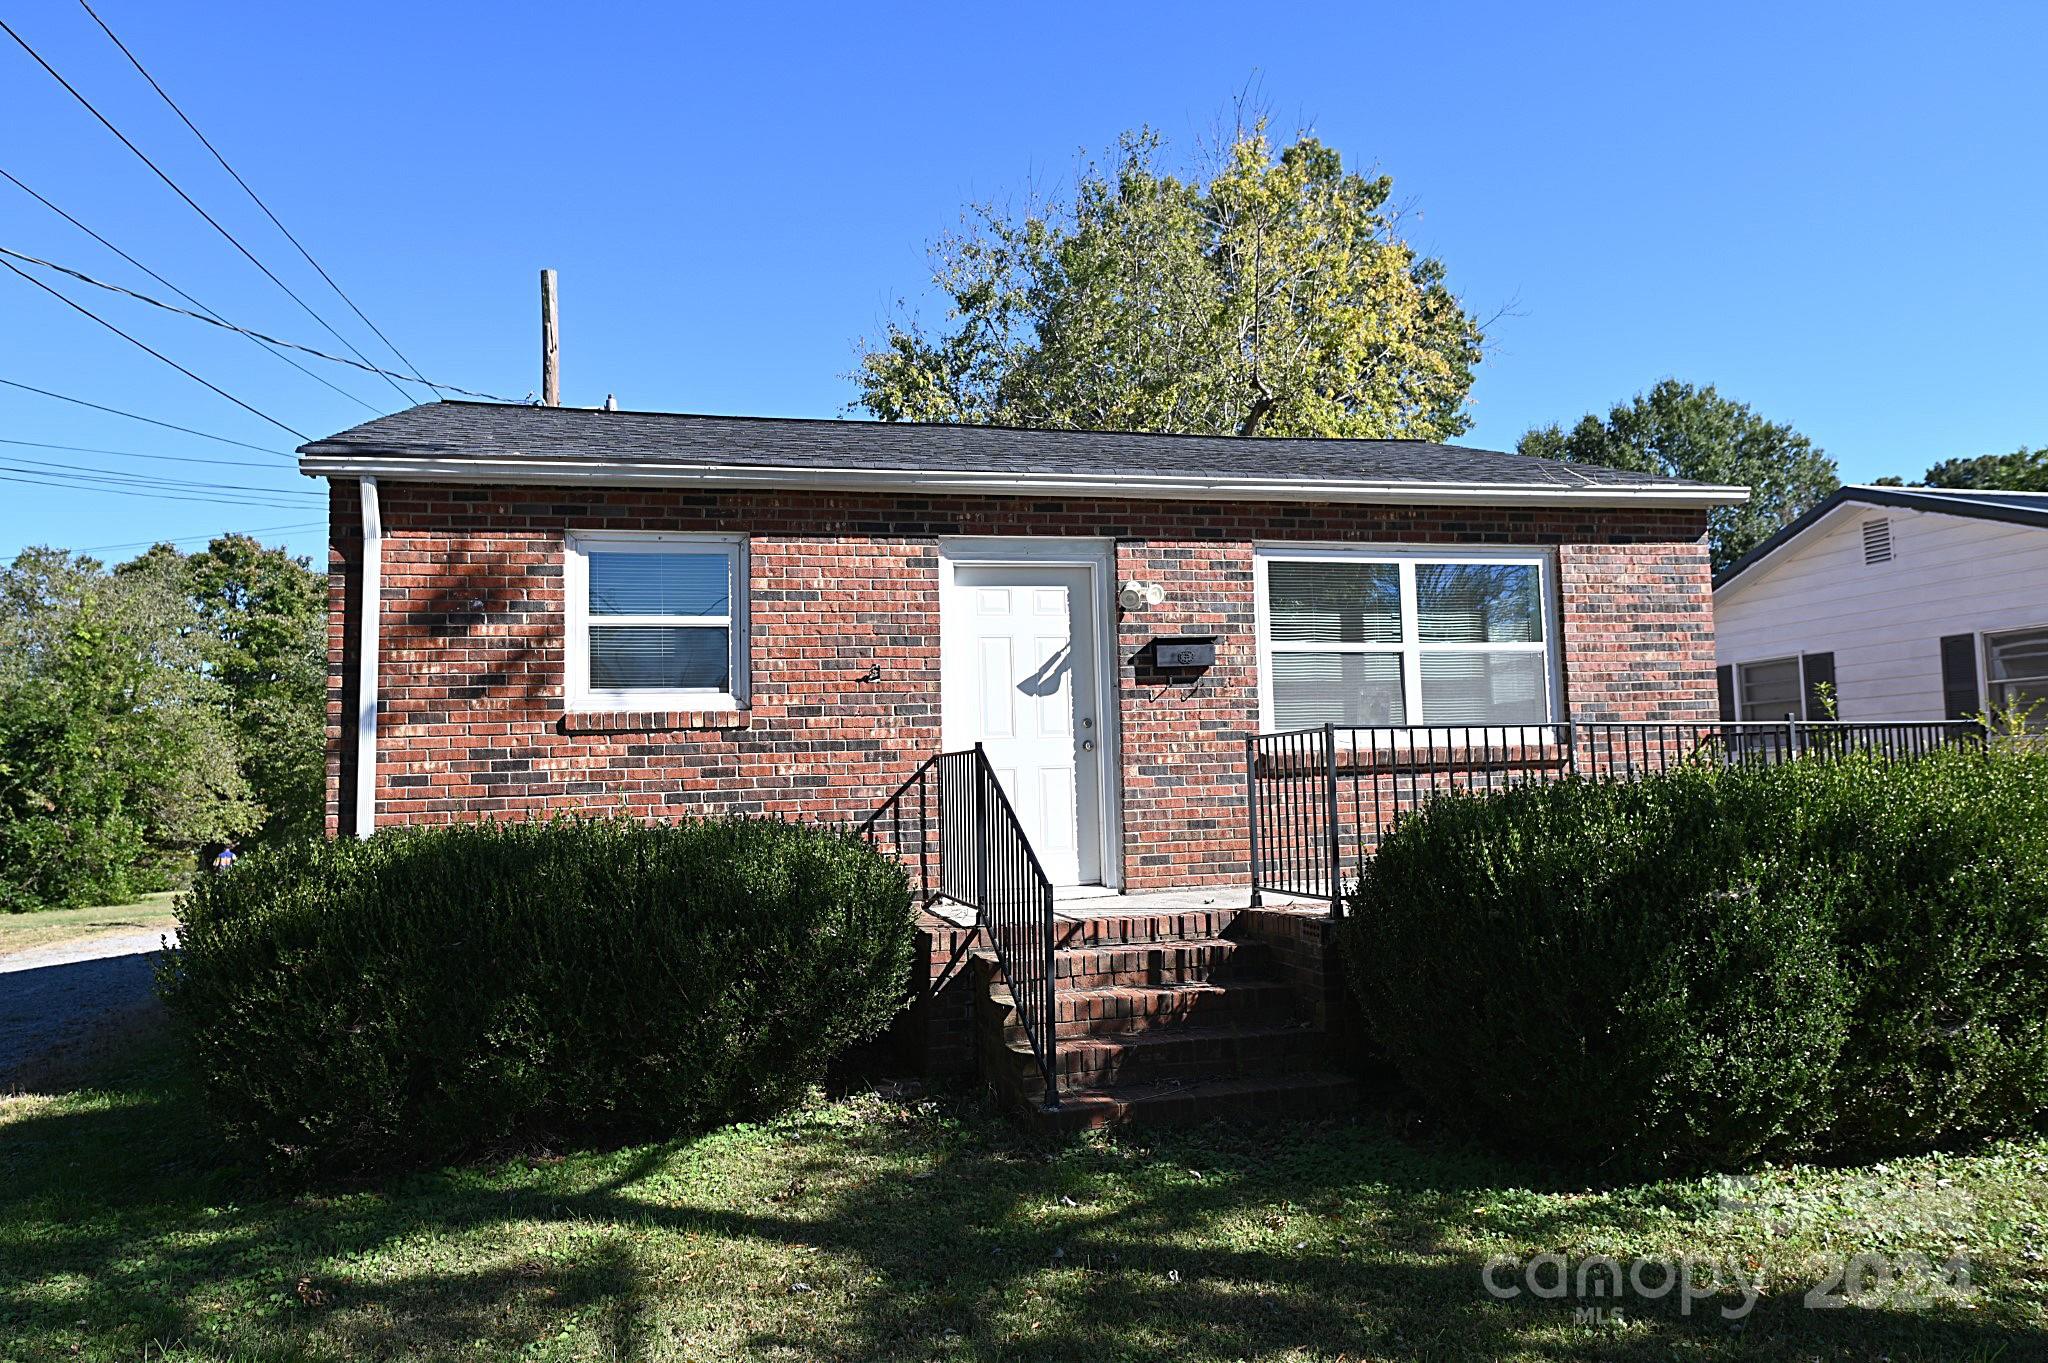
54,996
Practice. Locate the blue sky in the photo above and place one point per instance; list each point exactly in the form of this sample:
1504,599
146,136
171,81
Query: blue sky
1836,213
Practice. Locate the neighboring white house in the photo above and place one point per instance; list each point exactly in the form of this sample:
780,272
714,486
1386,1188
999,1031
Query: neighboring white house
1911,603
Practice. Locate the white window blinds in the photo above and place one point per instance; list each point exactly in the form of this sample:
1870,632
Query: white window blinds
656,622
1359,640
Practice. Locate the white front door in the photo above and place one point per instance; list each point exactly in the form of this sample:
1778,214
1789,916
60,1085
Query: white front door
1020,680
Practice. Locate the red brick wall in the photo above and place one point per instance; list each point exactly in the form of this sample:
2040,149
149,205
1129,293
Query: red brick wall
472,654
1638,631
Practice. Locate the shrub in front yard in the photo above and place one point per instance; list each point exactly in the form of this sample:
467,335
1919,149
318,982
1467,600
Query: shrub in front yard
432,993
1722,964
1942,922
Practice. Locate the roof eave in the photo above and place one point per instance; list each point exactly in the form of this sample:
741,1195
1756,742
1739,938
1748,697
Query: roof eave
1902,499
468,469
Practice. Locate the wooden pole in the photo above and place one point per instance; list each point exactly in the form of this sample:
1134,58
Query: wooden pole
550,344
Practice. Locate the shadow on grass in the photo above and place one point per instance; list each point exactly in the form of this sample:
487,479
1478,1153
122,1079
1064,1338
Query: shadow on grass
865,1231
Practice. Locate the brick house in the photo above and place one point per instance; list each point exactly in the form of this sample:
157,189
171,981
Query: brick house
668,615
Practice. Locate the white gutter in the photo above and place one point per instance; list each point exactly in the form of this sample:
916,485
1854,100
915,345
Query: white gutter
368,607
1124,486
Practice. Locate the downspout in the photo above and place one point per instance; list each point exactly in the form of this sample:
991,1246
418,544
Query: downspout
368,608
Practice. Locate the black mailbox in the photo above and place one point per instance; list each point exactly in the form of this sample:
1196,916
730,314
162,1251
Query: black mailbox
1186,650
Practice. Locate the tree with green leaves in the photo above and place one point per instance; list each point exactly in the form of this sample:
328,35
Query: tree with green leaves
2023,470
1682,431
117,759
1277,298
264,614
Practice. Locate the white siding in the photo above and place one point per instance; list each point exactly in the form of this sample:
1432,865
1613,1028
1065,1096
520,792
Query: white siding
1884,621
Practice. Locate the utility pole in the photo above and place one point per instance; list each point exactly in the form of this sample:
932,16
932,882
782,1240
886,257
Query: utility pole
550,344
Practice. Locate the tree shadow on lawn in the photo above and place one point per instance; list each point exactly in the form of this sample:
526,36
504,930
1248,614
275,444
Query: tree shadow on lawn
857,1231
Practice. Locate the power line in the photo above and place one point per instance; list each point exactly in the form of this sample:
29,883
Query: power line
208,535
194,203
257,199
218,321
47,468
44,481
135,416
317,378
136,454
80,307
94,474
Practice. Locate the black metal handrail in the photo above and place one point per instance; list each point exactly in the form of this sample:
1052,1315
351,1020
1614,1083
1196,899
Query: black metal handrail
1311,793
953,827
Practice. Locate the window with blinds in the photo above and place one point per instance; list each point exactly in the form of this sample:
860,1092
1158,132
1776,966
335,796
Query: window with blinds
1365,640
655,622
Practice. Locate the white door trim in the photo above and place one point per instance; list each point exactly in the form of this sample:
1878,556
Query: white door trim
1098,557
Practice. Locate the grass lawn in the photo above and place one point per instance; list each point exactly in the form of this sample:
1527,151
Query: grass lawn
48,927
878,1229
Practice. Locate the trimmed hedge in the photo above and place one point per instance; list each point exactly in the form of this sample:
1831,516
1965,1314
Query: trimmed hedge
1720,965
435,993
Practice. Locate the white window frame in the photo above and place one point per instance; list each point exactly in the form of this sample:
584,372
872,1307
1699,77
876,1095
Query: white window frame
1411,649
1985,641
578,694
1798,661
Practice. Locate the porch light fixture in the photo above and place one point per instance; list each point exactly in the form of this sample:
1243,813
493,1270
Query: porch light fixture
1137,596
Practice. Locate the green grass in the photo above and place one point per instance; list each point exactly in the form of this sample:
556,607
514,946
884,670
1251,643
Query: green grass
876,1229
49,927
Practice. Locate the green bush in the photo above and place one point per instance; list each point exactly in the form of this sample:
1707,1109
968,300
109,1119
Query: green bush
1719,965
434,993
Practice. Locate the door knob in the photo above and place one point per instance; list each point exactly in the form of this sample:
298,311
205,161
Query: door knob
1087,723
1087,745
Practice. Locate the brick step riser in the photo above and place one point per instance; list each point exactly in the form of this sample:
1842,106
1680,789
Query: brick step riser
1150,966
1241,1006
1013,1070
1141,966
1162,975
1251,1057
1142,929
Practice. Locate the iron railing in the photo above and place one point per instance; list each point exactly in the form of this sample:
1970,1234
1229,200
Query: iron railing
1314,793
954,829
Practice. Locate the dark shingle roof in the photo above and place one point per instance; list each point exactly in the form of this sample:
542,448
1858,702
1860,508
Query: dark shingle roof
2017,508
500,432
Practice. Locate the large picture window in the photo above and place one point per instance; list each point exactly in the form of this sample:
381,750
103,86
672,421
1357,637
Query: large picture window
1365,639
656,622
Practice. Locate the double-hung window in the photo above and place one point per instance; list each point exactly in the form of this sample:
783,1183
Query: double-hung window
1364,638
2016,675
1770,690
656,621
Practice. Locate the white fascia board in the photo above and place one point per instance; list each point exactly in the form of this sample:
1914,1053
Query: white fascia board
1126,487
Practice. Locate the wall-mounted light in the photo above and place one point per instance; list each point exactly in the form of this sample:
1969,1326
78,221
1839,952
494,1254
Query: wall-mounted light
1137,596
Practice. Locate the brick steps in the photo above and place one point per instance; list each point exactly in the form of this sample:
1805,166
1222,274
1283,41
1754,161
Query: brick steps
1104,930
1158,1018
1193,960
1125,1010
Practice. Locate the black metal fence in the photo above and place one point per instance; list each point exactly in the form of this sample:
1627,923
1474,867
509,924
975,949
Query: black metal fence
1318,795
953,828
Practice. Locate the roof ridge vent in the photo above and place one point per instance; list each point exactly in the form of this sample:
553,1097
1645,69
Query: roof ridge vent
1877,540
